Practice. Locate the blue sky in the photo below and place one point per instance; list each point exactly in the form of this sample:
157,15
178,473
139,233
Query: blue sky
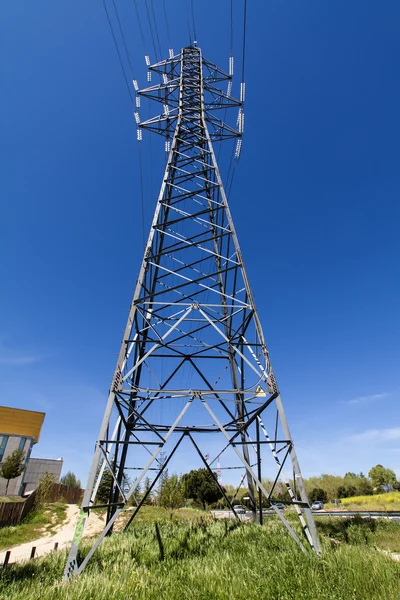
315,202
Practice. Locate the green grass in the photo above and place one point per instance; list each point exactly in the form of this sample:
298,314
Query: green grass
211,560
34,525
156,513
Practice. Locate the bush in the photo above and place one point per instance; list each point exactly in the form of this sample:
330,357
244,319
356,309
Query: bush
43,491
70,480
346,491
318,494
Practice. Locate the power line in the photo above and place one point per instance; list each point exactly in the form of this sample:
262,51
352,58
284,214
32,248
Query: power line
151,30
140,26
244,38
156,28
123,37
141,190
231,27
188,21
166,22
194,22
118,52
230,84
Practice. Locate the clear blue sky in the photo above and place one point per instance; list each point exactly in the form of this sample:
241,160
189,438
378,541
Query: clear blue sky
315,201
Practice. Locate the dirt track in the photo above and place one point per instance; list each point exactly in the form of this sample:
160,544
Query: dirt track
64,534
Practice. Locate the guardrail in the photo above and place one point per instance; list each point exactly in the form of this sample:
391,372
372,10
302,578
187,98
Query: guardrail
373,514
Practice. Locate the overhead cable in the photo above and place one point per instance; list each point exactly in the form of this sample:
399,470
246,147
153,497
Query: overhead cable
166,23
188,22
244,38
231,27
151,31
122,36
156,28
140,27
194,23
118,52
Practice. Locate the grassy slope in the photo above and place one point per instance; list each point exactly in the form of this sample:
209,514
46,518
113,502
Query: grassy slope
389,501
155,514
41,521
212,560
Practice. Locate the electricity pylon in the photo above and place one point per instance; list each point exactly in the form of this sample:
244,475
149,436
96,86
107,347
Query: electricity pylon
193,343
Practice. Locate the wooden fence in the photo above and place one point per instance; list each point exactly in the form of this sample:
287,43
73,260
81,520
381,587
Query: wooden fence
12,513
70,495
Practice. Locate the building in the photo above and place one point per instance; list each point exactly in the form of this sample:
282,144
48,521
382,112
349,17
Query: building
36,468
20,430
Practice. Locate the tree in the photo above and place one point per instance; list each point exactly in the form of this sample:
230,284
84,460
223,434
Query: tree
328,483
107,482
162,459
318,494
146,488
281,493
346,491
13,466
381,476
365,487
173,493
104,489
70,480
202,486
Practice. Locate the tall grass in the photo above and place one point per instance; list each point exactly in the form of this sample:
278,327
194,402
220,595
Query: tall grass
217,560
379,533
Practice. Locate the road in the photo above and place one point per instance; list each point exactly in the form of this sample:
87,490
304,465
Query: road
63,537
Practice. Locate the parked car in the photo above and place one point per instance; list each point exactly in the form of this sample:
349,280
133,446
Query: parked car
279,505
317,505
239,509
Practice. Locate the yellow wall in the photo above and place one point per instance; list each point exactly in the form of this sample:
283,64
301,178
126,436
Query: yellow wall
27,423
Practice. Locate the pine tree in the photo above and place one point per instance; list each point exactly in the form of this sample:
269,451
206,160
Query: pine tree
163,477
103,492
146,488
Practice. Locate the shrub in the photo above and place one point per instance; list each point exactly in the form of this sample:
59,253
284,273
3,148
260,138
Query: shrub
43,491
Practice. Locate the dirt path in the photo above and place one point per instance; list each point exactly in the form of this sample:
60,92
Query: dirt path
64,534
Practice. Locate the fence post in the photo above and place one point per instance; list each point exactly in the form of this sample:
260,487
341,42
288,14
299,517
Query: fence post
33,552
56,546
6,558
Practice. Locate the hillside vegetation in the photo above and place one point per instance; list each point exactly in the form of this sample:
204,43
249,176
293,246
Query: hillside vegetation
215,560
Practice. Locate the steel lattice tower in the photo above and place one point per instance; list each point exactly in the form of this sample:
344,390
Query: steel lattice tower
193,342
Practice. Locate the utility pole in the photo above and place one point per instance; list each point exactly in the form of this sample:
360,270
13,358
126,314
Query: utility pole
193,342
